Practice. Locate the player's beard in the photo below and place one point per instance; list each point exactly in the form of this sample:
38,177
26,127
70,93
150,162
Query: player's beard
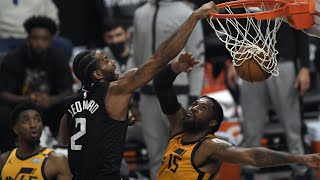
110,76
193,126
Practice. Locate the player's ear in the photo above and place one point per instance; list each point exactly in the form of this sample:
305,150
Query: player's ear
97,74
212,123
15,129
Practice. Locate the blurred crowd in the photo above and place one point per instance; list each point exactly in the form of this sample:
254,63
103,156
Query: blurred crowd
39,39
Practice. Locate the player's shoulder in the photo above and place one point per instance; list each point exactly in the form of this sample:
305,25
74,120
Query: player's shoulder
5,155
56,164
216,143
3,158
56,158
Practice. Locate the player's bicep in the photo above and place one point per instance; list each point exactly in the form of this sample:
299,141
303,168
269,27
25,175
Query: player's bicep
61,163
146,72
228,153
64,134
139,77
65,173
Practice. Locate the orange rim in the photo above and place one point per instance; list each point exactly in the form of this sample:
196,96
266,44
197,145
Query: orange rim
284,9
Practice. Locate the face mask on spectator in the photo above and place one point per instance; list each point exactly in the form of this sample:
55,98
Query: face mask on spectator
117,49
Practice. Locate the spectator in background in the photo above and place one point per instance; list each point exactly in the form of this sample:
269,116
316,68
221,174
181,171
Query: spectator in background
37,72
282,91
153,23
44,163
12,15
118,46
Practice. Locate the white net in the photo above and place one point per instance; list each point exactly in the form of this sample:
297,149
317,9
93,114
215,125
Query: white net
251,39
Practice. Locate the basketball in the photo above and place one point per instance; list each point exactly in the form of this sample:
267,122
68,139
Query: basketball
250,70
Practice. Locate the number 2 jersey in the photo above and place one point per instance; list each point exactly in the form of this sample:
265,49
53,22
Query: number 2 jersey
178,162
96,141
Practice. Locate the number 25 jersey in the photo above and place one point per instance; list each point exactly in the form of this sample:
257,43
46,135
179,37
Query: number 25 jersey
178,162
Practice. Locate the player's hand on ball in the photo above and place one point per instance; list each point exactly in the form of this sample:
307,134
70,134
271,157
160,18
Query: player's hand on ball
186,62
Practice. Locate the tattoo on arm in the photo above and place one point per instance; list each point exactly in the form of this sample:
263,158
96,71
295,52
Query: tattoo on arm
259,157
265,157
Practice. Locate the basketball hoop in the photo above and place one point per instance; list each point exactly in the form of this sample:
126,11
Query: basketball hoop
256,38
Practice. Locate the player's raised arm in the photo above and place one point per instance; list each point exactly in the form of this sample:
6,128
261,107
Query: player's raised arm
259,157
167,51
165,91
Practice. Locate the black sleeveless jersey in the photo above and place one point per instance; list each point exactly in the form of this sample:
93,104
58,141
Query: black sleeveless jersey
96,141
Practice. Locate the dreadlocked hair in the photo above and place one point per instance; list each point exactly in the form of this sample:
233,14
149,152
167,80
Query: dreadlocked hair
83,66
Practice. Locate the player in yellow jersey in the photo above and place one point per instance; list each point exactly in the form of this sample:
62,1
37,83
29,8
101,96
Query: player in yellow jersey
29,160
193,151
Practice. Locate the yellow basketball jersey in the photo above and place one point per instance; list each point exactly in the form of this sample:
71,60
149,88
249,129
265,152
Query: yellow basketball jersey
178,163
31,168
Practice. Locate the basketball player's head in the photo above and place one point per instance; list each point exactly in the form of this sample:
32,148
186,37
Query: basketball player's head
92,66
204,114
40,31
27,123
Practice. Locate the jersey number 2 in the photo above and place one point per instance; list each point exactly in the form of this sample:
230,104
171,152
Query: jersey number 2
82,122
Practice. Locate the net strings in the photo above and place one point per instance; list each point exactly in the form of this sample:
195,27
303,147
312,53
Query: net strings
259,45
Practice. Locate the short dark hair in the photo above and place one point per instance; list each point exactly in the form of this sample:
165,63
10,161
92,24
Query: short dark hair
112,25
28,105
217,112
40,22
83,66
